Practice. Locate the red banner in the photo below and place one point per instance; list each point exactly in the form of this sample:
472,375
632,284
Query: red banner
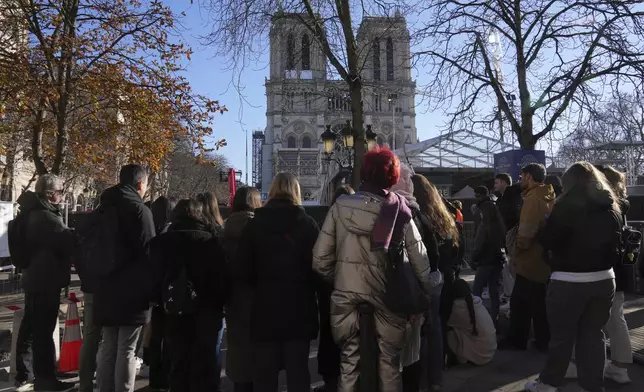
232,186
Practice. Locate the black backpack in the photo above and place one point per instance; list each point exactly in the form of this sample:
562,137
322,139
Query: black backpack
403,291
19,251
179,295
98,244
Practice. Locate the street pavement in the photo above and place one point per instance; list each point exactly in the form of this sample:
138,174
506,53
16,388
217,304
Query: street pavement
508,372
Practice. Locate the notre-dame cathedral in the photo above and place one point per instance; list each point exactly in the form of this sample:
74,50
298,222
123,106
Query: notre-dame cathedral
303,97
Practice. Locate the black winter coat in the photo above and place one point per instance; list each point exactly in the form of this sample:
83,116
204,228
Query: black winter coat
192,244
583,231
488,248
51,244
275,258
429,238
509,205
123,298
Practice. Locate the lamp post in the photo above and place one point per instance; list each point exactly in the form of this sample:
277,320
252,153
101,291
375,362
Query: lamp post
348,139
392,102
4,185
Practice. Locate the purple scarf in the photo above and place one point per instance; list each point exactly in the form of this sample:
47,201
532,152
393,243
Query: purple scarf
393,217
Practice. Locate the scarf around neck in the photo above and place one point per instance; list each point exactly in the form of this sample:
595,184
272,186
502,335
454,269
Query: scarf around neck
390,224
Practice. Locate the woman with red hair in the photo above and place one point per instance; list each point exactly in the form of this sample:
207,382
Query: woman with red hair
351,253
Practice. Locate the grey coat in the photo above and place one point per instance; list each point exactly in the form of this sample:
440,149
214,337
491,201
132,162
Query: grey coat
343,255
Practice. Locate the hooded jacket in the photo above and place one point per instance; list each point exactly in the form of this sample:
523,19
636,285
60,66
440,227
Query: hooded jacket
343,256
583,232
274,258
529,258
51,244
123,298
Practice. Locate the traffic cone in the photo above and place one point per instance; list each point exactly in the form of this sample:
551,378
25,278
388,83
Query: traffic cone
72,338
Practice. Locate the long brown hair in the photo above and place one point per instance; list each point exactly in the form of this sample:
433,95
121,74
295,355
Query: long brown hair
210,208
432,205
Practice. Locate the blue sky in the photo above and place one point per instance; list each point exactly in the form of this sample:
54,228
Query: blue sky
208,76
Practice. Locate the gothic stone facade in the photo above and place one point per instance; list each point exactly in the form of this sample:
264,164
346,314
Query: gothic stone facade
303,96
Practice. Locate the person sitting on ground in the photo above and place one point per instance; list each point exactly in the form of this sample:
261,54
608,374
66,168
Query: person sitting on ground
471,335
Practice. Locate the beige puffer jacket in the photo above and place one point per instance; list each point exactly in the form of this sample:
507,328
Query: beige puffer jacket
343,255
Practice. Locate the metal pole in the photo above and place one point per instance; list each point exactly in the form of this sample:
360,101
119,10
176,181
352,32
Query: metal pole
393,119
246,131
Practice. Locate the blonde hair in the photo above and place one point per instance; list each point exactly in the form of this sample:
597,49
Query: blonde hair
582,173
286,187
616,179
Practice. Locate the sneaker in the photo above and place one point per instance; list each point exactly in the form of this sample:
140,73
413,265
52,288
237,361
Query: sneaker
53,386
139,364
617,374
538,386
571,372
21,386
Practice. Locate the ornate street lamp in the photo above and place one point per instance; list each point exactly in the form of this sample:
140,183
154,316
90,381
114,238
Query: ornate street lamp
371,137
328,138
347,135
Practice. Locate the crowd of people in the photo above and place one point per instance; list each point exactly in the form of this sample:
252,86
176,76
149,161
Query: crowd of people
277,281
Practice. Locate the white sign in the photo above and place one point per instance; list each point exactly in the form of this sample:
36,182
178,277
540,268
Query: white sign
6,214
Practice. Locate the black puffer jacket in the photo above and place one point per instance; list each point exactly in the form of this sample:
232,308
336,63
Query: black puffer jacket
275,257
195,245
123,298
51,244
583,231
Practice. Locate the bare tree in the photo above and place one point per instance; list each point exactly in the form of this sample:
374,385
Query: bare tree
189,175
558,57
241,28
614,134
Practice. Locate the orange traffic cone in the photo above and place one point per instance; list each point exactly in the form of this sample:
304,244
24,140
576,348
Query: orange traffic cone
72,338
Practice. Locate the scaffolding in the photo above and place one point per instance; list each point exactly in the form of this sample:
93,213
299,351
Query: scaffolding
258,142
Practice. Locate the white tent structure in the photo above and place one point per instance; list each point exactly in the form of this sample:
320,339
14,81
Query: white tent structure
458,149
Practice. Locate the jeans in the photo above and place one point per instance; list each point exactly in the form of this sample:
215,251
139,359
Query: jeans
489,276
193,351
620,340
578,311
433,347
269,356
89,349
118,367
528,306
39,323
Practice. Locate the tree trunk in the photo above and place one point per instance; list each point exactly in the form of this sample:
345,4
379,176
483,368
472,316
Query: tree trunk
357,116
36,139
